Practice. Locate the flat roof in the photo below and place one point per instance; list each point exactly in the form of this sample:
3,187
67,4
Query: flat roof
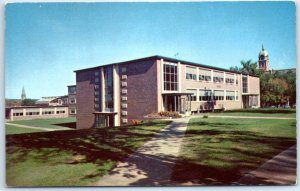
21,107
167,59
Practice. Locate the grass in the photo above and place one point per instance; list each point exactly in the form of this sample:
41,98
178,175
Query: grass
261,112
220,151
71,158
54,123
10,129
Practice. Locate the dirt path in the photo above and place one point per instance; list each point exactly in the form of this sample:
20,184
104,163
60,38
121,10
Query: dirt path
153,163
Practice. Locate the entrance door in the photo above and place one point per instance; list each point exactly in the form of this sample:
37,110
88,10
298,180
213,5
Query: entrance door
102,121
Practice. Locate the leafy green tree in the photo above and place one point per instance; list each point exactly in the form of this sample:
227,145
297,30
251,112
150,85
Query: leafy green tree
275,88
28,102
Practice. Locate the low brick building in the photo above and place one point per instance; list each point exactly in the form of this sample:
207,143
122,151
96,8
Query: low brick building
115,94
35,112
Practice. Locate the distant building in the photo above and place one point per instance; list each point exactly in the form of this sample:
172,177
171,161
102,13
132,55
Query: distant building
264,63
72,100
263,60
115,94
50,101
35,112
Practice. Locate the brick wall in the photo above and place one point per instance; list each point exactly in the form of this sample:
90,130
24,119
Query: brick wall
141,89
85,99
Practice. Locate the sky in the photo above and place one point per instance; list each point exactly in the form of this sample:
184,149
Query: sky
46,42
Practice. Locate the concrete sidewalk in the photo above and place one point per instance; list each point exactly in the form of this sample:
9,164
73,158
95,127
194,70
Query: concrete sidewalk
279,170
153,163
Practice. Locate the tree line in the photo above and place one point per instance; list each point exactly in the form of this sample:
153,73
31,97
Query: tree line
277,88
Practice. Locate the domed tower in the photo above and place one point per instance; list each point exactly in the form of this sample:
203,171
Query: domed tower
263,59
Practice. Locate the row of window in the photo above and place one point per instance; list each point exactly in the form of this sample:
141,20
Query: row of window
38,113
124,97
208,95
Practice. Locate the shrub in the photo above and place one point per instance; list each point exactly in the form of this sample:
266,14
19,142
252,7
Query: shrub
136,122
172,114
205,116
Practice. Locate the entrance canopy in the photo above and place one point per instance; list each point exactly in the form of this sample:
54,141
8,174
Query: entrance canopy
177,101
104,119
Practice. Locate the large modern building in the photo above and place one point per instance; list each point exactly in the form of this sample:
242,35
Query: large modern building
115,94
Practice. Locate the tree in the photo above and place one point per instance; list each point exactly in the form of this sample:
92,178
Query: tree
28,102
248,67
275,88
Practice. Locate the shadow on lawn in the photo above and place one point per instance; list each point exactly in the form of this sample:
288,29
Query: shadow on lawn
246,152
95,145
71,125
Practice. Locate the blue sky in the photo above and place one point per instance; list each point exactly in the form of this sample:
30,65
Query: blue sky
46,42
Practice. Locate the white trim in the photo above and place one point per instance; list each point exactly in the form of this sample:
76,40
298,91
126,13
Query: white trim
116,94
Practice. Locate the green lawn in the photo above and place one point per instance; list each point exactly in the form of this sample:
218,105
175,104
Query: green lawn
71,158
262,112
10,129
220,151
54,123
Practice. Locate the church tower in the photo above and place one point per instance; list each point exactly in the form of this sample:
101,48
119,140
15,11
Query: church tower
23,95
263,60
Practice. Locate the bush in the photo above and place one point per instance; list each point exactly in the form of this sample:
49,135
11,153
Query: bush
136,122
205,116
172,114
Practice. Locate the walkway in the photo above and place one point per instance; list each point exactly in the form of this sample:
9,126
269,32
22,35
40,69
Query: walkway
152,164
249,117
279,170
38,128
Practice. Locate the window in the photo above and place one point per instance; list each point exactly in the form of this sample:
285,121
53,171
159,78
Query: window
124,91
123,69
96,99
229,80
170,77
205,95
97,73
124,113
96,93
72,89
18,114
193,96
108,87
96,105
124,98
237,96
96,79
72,100
245,84
32,113
204,75
73,111
230,95
218,79
124,105
191,73
59,112
48,112
124,84
96,87
124,77
219,95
